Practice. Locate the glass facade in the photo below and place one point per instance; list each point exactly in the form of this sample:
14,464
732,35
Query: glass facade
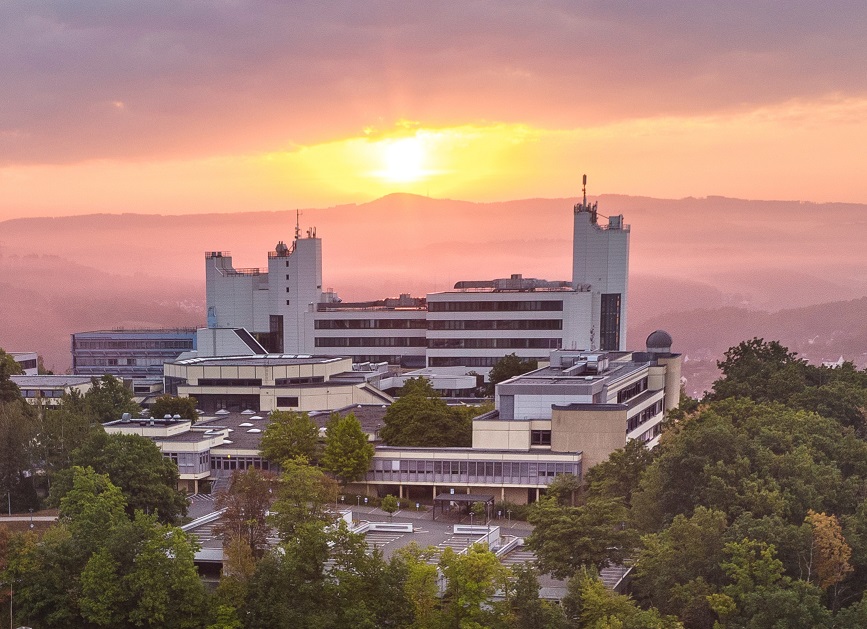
469,471
496,306
609,322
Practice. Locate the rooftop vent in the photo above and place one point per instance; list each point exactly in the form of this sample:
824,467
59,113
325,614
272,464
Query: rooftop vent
125,417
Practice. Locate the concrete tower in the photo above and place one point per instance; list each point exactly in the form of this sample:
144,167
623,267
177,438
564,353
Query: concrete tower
276,305
600,260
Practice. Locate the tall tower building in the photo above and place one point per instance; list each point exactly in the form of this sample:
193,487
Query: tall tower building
276,305
600,261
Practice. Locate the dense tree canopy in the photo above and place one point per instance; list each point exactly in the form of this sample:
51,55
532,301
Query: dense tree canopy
109,399
421,418
348,452
135,464
185,407
289,435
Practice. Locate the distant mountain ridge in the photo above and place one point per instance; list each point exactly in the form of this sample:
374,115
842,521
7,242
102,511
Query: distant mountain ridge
686,254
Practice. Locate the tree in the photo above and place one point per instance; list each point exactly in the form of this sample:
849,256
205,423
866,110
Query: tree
619,475
508,367
289,435
567,538
135,464
108,399
304,496
170,405
420,587
18,454
247,502
829,551
62,430
472,579
420,418
97,568
527,609
763,372
588,603
9,391
389,505
348,452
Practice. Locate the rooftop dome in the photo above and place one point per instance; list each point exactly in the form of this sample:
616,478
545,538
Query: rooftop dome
659,341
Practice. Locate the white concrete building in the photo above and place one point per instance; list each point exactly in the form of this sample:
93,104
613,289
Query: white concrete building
49,390
29,362
473,325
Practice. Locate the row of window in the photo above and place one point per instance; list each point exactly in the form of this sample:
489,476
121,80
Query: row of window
287,402
370,341
282,382
489,343
230,382
496,324
370,324
239,463
180,344
43,393
495,306
644,416
631,391
457,361
469,471
30,363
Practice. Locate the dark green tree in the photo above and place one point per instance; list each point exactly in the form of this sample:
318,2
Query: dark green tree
567,538
347,452
507,367
421,418
135,464
763,372
9,391
109,399
171,406
619,475
304,497
18,454
289,435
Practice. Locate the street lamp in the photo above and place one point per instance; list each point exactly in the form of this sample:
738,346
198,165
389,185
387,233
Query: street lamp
365,501
471,518
358,501
509,513
31,517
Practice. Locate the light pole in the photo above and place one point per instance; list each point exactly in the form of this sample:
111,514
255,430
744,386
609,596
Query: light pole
31,517
358,501
509,513
471,518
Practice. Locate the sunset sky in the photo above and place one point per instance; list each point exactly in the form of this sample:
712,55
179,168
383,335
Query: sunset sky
232,105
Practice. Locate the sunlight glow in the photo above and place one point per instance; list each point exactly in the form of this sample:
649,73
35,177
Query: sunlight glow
403,160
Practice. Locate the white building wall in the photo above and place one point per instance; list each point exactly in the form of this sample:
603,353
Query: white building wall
539,406
600,258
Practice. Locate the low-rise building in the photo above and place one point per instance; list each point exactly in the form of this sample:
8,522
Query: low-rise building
49,390
137,354
271,382
29,362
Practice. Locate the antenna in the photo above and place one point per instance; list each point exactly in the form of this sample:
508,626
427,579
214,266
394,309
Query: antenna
297,224
584,189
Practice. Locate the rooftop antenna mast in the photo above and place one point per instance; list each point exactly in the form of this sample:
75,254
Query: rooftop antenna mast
297,224
584,189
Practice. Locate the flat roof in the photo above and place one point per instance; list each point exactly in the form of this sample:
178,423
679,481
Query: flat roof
262,360
50,381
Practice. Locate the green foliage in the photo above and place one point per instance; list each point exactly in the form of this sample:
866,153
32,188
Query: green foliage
764,459
588,603
619,475
568,538
304,497
133,463
108,399
471,580
289,435
64,429
763,372
507,367
18,453
97,568
9,391
170,405
421,418
527,610
348,452
389,504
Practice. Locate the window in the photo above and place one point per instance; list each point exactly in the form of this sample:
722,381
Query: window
609,322
540,437
287,401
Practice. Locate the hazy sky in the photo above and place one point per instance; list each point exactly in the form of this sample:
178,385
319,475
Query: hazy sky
226,105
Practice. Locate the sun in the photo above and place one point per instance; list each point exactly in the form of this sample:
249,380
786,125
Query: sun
403,160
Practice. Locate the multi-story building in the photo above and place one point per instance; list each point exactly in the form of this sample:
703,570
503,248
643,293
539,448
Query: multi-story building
473,325
29,362
130,354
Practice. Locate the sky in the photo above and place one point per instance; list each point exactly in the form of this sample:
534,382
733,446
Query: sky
169,106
